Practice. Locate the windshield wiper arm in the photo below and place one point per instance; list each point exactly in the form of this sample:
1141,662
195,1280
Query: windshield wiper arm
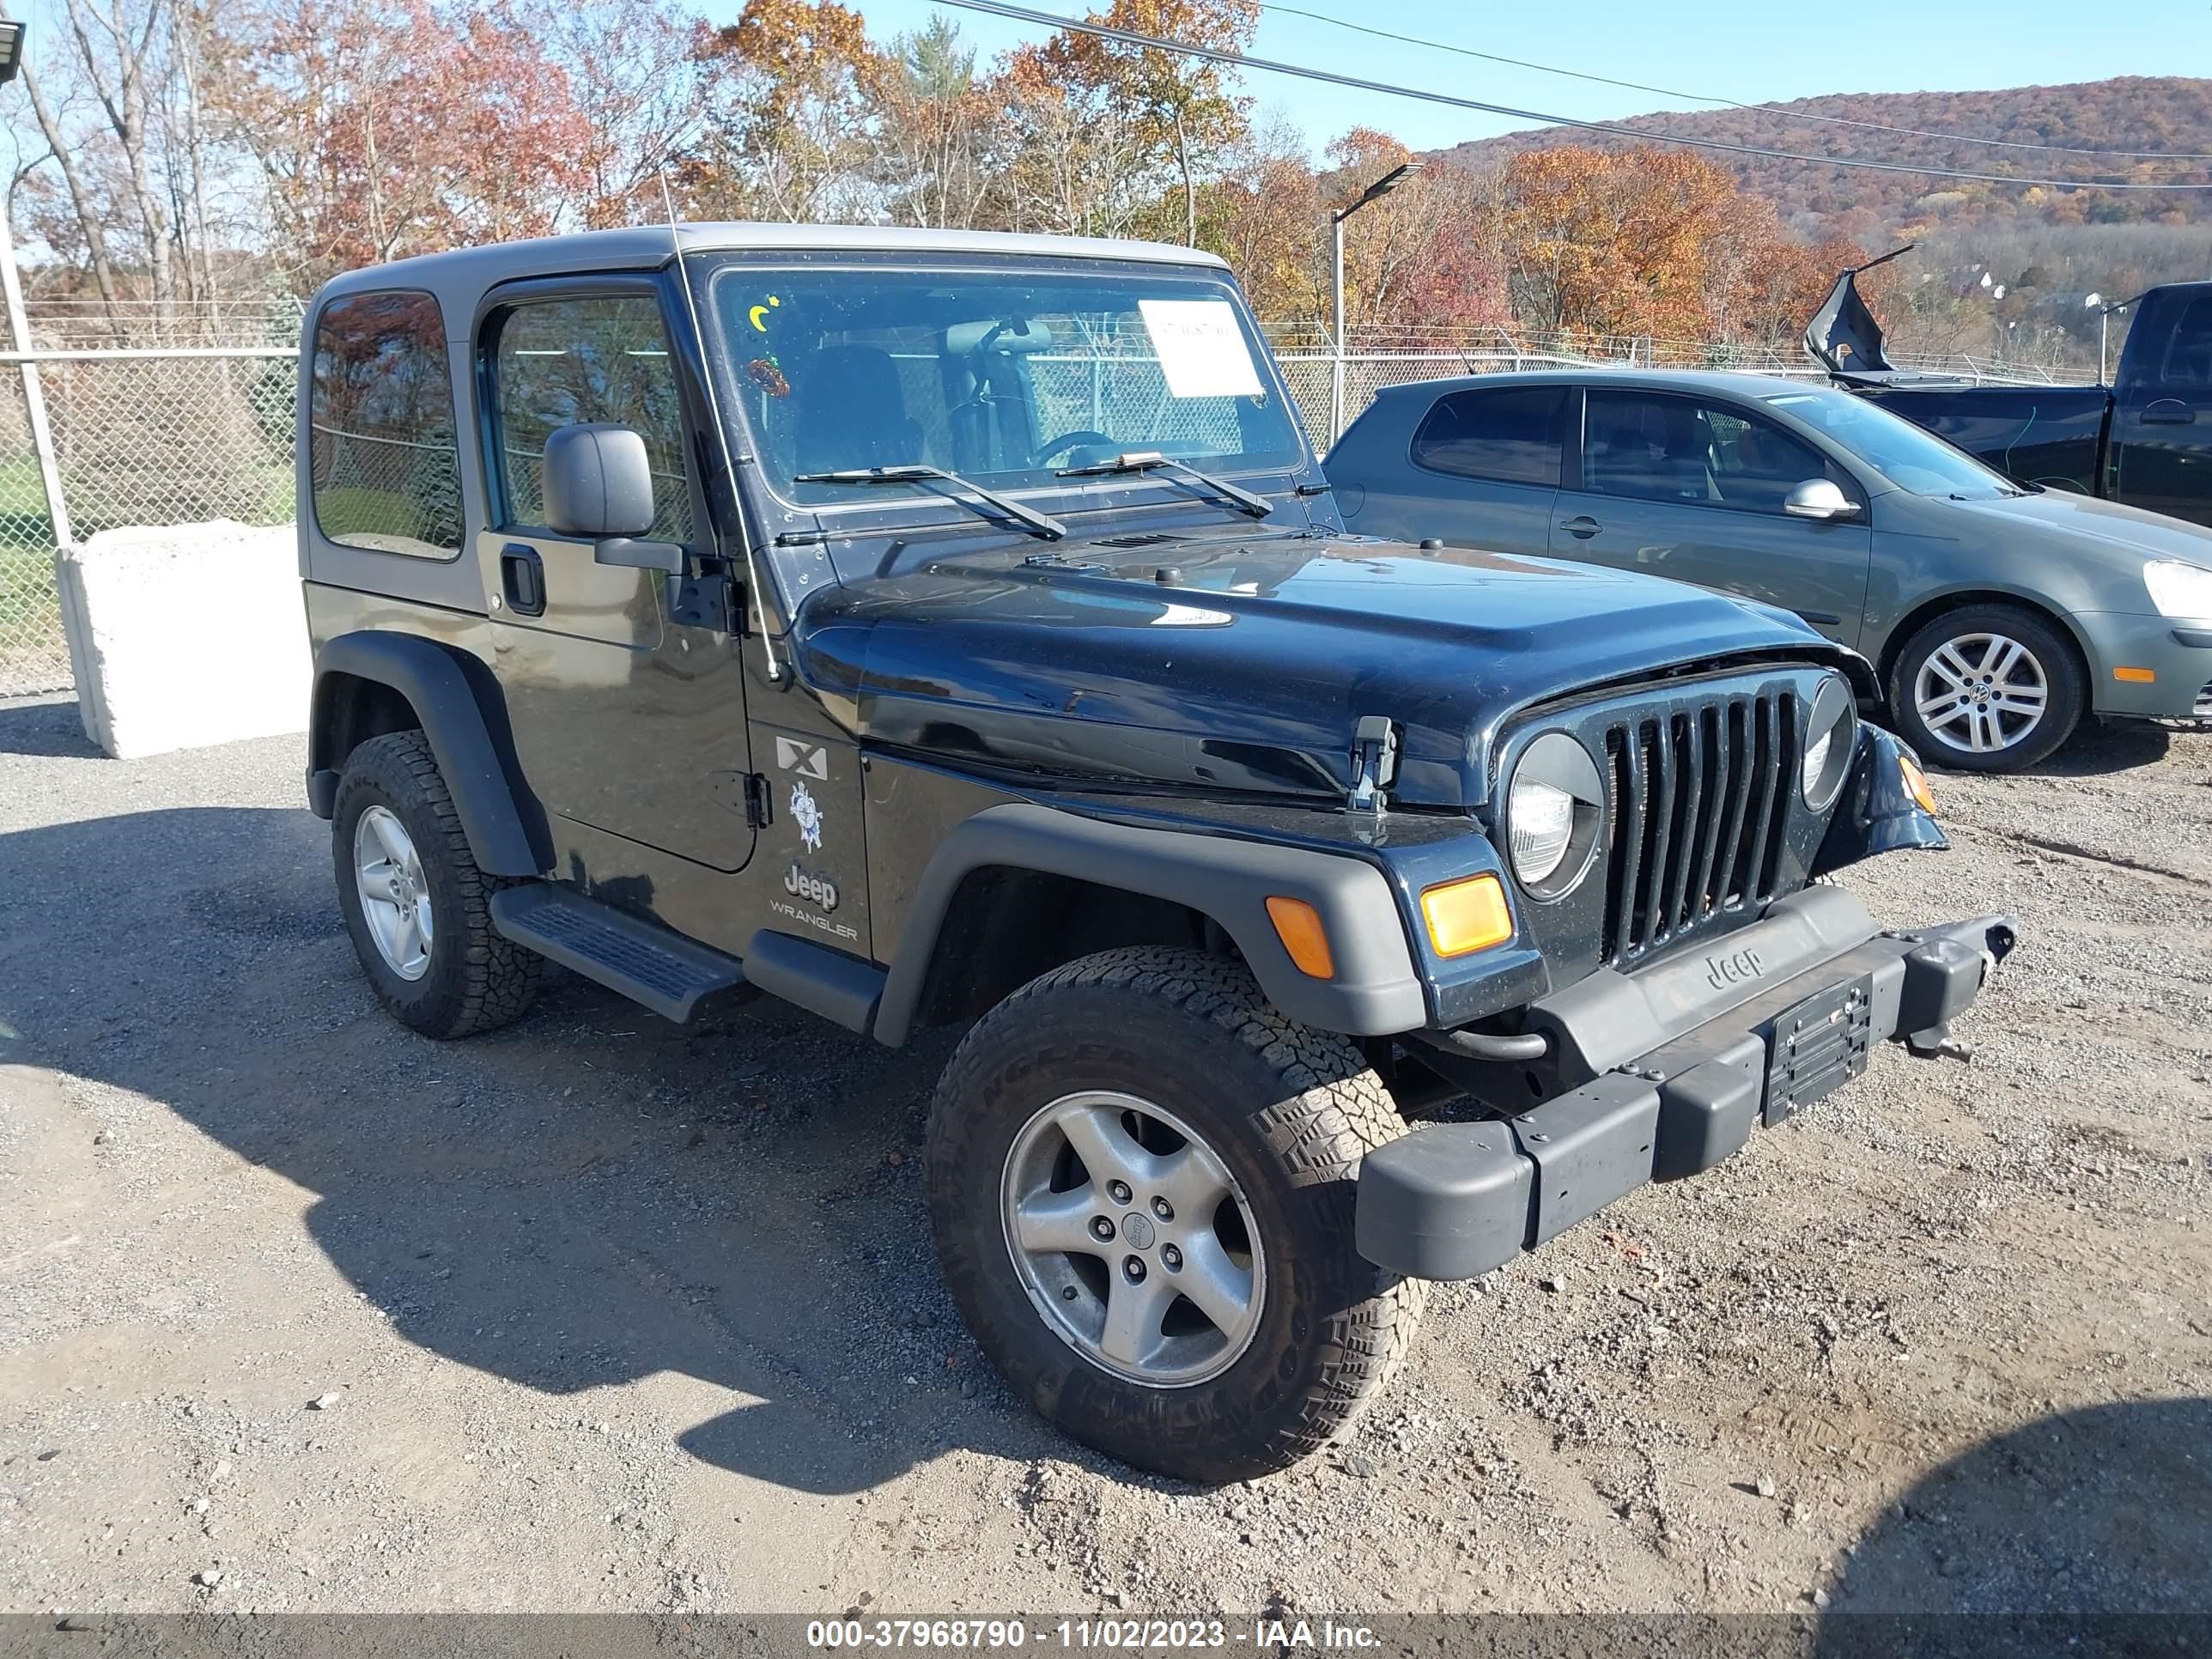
1144,460
915,472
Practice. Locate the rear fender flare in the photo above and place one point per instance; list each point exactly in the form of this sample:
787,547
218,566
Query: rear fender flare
1375,990
436,682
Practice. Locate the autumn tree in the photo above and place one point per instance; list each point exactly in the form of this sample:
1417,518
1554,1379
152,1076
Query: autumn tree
1186,112
790,133
382,130
937,124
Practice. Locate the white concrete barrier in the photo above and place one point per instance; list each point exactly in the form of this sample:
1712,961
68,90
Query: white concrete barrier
186,636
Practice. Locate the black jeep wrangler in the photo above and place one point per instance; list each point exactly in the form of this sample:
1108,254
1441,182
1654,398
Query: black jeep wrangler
929,627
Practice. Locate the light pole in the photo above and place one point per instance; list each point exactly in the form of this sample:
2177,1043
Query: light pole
12,33
1382,187
2104,314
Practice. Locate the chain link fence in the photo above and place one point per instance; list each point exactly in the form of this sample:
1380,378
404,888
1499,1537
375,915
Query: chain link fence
178,434
139,436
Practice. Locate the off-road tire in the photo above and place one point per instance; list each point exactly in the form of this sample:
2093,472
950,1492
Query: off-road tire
2063,677
478,979
1290,1109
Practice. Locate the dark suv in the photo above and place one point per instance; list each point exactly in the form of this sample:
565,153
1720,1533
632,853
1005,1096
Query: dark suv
937,628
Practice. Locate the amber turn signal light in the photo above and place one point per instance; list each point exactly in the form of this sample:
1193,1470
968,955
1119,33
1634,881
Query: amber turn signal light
1298,924
1467,915
1915,785
2137,675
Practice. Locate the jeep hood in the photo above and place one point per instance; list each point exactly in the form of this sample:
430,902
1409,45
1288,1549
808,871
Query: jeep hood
1245,664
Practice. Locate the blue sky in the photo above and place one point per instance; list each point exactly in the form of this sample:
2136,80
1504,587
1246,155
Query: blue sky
1750,49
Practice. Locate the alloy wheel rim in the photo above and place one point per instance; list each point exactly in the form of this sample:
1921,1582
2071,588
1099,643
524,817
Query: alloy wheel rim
1981,693
1133,1241
395,901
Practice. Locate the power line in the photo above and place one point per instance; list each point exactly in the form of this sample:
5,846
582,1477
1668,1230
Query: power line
1241,61
1731,103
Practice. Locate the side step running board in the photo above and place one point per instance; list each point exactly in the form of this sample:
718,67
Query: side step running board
649,964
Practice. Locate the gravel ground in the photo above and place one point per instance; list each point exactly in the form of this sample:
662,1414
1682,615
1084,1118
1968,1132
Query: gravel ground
300,1311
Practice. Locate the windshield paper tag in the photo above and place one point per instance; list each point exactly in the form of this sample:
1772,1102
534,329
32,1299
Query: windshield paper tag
1202,351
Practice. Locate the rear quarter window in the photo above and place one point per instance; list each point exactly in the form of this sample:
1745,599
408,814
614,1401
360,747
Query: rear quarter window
383,461
1512,435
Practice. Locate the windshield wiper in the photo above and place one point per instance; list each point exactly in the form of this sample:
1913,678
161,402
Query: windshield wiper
915,472
1144,460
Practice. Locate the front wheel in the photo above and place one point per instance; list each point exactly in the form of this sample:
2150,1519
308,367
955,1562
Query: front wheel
1986,688
1141,1182
418,908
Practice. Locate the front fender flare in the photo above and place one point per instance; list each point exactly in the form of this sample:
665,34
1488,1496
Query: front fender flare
434,679
1374,992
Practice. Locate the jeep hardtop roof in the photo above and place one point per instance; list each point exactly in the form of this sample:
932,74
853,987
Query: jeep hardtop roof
459,277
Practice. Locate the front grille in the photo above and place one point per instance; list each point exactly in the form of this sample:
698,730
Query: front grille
2204,700
1700,802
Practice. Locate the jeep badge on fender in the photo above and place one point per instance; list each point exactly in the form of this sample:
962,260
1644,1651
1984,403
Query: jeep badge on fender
1001,572
816,889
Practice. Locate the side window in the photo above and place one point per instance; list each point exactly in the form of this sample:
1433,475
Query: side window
383,471
2188,364
1659,448
557,362
1510,435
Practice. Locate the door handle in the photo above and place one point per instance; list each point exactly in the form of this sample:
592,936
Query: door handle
2168,411
1583,526
522,578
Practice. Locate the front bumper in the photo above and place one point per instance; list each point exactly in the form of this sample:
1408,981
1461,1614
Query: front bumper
1678,1062
2178,652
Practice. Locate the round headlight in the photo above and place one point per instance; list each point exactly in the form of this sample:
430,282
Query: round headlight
1554,811
1830,734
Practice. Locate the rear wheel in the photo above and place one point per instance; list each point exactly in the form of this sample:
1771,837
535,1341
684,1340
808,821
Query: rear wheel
1142,1182
418,908
1987,688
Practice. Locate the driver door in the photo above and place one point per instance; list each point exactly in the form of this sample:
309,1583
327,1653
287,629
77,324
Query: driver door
624,719
1691,488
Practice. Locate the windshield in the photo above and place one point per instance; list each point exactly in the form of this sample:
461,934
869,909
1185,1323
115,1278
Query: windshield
1908,457
1003,376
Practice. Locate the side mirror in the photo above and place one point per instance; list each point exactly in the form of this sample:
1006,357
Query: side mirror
598,489
1819,498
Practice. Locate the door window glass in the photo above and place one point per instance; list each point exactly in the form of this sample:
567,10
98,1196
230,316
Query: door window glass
1509,434
560,362
384,472
2189,357
1663,448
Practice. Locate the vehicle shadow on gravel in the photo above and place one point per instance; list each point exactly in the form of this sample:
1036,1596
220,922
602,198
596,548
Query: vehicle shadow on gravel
2095,750
2077,1526
586,1199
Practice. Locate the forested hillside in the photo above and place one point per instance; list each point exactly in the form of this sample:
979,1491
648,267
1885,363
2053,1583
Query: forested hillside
2168,114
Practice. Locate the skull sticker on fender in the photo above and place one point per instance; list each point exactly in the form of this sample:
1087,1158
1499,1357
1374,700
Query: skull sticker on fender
807,816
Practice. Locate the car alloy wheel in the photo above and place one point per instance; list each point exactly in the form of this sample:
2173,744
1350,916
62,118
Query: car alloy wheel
395,900
1982,693
1133,1239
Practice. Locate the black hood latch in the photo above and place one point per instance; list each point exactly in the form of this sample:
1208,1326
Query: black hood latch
1374,764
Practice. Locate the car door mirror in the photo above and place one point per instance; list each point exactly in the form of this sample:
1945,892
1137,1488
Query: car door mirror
1819,498
598,489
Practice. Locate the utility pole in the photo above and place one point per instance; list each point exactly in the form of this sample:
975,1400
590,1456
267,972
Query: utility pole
1382,187
19,325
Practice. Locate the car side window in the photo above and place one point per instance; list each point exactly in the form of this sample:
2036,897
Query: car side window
559,362
384,467
1664,448
2189,355
1508,434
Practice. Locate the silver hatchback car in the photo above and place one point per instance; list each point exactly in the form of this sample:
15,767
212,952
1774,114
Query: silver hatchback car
1997,616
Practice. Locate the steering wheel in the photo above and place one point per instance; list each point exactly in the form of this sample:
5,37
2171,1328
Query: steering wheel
1068,440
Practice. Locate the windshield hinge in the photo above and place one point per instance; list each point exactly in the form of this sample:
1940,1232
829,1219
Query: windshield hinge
1374,763
708,600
